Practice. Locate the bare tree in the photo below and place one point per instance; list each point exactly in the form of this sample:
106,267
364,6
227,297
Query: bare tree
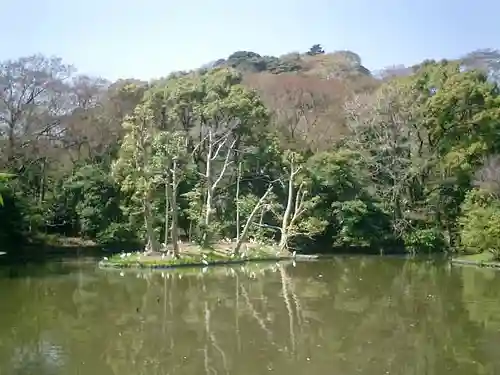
488,176
394,149
241,238
296,205
307,109
216,145
32,95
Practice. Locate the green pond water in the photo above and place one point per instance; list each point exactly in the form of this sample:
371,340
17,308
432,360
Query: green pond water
349,315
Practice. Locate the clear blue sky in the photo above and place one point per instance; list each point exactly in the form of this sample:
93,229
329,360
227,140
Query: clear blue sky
150,38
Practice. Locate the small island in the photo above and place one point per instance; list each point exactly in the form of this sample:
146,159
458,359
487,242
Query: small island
193,255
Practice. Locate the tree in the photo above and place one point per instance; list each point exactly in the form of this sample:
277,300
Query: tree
486,60
170,158
241,238
135,168
307,111
316,49
480,222
95,199
31,100
218,117
393,150
4,177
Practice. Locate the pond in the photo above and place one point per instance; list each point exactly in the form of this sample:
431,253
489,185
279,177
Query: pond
349,315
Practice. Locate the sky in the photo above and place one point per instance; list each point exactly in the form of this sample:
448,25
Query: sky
150,38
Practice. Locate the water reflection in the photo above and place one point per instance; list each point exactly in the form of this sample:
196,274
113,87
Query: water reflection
347,316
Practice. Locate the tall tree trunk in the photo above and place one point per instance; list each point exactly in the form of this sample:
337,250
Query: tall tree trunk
208,200
286,216
250,219
167,208
152,243
211,184
238,180
42,182
173,197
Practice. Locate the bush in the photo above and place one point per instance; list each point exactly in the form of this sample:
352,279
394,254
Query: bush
116,234
429,240
480,223
13,218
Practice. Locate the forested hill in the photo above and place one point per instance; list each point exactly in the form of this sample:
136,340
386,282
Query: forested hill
400,157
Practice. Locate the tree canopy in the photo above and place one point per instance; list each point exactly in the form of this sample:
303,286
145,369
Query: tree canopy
309,151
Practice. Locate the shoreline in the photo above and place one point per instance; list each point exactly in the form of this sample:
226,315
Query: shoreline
169,264
201,259
482,260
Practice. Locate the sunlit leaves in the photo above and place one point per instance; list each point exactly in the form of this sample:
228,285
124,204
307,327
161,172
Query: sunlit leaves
4,177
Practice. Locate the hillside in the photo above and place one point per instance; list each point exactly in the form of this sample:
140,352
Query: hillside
330,153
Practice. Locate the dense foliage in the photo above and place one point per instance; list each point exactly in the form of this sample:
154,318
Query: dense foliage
308,151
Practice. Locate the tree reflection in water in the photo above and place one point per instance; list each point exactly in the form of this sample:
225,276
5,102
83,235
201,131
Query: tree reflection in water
351,315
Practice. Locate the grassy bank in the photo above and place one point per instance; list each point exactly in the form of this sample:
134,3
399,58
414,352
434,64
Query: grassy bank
484,259
193,255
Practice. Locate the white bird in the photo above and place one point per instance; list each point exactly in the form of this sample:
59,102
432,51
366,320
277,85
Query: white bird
294,253
122,274
204,262
105,258
122,255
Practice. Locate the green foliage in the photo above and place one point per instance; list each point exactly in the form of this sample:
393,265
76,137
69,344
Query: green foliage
95,198
3,178
480,223
316,49
359,223
247,61
116,234
403,173
353,219
13,217
427,241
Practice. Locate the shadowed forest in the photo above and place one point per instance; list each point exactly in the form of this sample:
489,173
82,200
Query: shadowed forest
310,151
